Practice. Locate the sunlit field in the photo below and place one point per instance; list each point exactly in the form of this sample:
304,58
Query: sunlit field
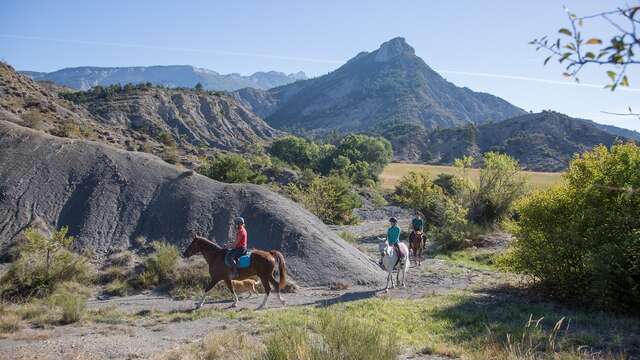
395,171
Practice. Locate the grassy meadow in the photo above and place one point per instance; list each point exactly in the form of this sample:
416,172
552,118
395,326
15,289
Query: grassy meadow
395,171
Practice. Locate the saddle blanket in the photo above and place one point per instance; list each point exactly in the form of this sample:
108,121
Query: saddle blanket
244,261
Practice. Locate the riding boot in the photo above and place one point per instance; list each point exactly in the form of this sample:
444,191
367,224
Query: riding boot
234,270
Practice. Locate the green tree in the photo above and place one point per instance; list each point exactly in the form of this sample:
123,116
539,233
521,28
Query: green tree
296,151
230,168
329,198
582,238
417,191
444,216
375,151
199,87
501,184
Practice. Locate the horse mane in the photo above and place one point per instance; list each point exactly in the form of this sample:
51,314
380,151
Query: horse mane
208,242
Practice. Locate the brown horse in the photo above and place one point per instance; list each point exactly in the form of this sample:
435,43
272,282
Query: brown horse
263,264
417,241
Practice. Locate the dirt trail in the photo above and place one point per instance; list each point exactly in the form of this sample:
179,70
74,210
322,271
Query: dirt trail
143,338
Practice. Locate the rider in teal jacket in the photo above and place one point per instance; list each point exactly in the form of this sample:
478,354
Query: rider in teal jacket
393,234
393,237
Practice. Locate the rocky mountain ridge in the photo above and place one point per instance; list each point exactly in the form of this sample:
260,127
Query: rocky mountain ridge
139,117
543,141
86,77
373,90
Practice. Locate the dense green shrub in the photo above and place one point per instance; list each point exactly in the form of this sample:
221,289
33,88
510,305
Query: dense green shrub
501,184
582,238
42,263
329,198
230,168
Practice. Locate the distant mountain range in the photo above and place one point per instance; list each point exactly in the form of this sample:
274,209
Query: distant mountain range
389,92
543,141
86,77
374,90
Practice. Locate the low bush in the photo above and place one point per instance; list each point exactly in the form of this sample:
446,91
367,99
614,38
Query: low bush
42,264
159,267
71,299
117,287
581,239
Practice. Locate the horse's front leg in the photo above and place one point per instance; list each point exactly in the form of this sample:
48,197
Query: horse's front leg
233,291
208,287
404,275
389,277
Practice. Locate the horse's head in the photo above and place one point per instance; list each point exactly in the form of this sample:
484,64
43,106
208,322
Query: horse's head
193,248
383,245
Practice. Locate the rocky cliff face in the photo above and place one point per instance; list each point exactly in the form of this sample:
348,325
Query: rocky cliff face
132,117
543,141
388,86
208,119
86,77
108,197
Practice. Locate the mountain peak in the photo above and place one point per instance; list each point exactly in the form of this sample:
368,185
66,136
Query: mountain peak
395,47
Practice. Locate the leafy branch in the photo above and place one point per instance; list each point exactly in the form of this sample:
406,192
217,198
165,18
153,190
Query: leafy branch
577,51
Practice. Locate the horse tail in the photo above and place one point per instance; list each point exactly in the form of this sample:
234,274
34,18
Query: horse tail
281,268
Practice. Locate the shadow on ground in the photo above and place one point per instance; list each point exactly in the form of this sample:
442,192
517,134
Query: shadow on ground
502,311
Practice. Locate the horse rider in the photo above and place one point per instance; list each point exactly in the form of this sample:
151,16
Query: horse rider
417,224
393,238
238,248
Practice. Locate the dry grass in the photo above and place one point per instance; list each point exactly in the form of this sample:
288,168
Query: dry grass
218,346
395,171
9,322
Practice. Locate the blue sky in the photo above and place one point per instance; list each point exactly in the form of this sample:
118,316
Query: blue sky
479,44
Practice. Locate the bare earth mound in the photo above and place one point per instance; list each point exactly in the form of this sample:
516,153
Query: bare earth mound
108,197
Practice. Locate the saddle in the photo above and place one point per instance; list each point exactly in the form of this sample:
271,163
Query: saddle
243,261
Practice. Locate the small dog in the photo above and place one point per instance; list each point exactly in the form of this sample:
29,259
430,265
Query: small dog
247,285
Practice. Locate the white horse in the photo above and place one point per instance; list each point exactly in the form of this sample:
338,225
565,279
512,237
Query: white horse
389,259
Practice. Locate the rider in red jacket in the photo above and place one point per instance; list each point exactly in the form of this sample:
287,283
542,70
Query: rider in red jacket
239,247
